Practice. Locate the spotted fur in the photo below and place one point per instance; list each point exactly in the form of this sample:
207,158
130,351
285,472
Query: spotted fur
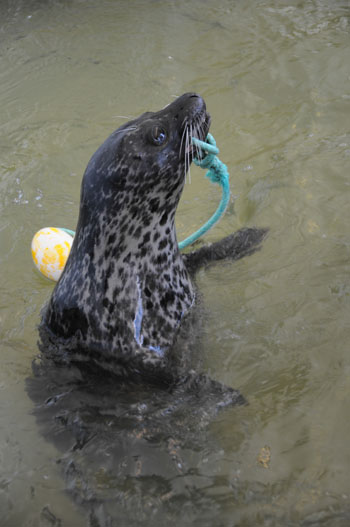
126,289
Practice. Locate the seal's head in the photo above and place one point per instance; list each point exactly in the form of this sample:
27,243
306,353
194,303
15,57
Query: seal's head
125,288
145,161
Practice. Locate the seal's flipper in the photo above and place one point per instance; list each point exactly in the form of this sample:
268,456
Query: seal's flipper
235,246
212,395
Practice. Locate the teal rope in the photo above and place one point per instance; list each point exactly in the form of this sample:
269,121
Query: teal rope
68,231
217,173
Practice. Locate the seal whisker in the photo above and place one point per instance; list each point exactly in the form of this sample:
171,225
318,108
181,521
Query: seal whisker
189,149
188,146
202,136
186,154
199,135
125,130
202,131
184,150
123,117
195,134
182,139
200,128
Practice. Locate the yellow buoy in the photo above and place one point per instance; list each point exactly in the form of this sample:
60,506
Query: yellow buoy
50,251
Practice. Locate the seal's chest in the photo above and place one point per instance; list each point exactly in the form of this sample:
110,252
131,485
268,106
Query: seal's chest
159,303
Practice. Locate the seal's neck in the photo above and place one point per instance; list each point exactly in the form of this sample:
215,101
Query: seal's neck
127,237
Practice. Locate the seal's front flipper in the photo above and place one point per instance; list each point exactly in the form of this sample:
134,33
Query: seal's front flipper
235,246
208,395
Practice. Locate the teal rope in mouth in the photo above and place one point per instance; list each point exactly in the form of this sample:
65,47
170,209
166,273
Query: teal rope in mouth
217,173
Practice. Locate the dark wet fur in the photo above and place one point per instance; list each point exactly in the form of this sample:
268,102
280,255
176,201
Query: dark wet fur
122,446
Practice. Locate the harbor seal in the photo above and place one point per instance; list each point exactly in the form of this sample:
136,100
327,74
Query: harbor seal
126,289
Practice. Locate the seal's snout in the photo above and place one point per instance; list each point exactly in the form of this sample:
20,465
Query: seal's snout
196,99
192,101
189,112
188,117
195,115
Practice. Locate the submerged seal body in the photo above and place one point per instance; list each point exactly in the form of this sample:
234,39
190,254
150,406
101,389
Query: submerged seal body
126,288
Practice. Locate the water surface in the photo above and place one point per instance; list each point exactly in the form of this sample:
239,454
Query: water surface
276,79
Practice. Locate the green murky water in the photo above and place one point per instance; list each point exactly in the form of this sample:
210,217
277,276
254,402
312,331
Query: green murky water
276,79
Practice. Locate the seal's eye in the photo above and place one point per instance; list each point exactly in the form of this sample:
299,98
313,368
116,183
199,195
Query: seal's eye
158,135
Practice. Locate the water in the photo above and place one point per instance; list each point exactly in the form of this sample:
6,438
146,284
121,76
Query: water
276,79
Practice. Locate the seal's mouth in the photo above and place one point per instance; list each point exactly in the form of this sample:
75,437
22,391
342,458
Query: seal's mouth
197,127
200,130
202,126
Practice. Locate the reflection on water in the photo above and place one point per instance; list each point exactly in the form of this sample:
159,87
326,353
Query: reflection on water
276,79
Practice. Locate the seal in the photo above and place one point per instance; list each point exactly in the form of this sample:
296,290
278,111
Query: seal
126,288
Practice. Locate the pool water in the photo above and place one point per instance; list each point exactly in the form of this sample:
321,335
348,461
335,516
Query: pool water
276,79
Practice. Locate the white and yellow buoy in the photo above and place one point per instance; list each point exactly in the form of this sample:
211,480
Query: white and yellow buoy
50,250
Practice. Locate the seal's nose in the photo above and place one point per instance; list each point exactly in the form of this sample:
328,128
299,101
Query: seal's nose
191,101
191,95
183,100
